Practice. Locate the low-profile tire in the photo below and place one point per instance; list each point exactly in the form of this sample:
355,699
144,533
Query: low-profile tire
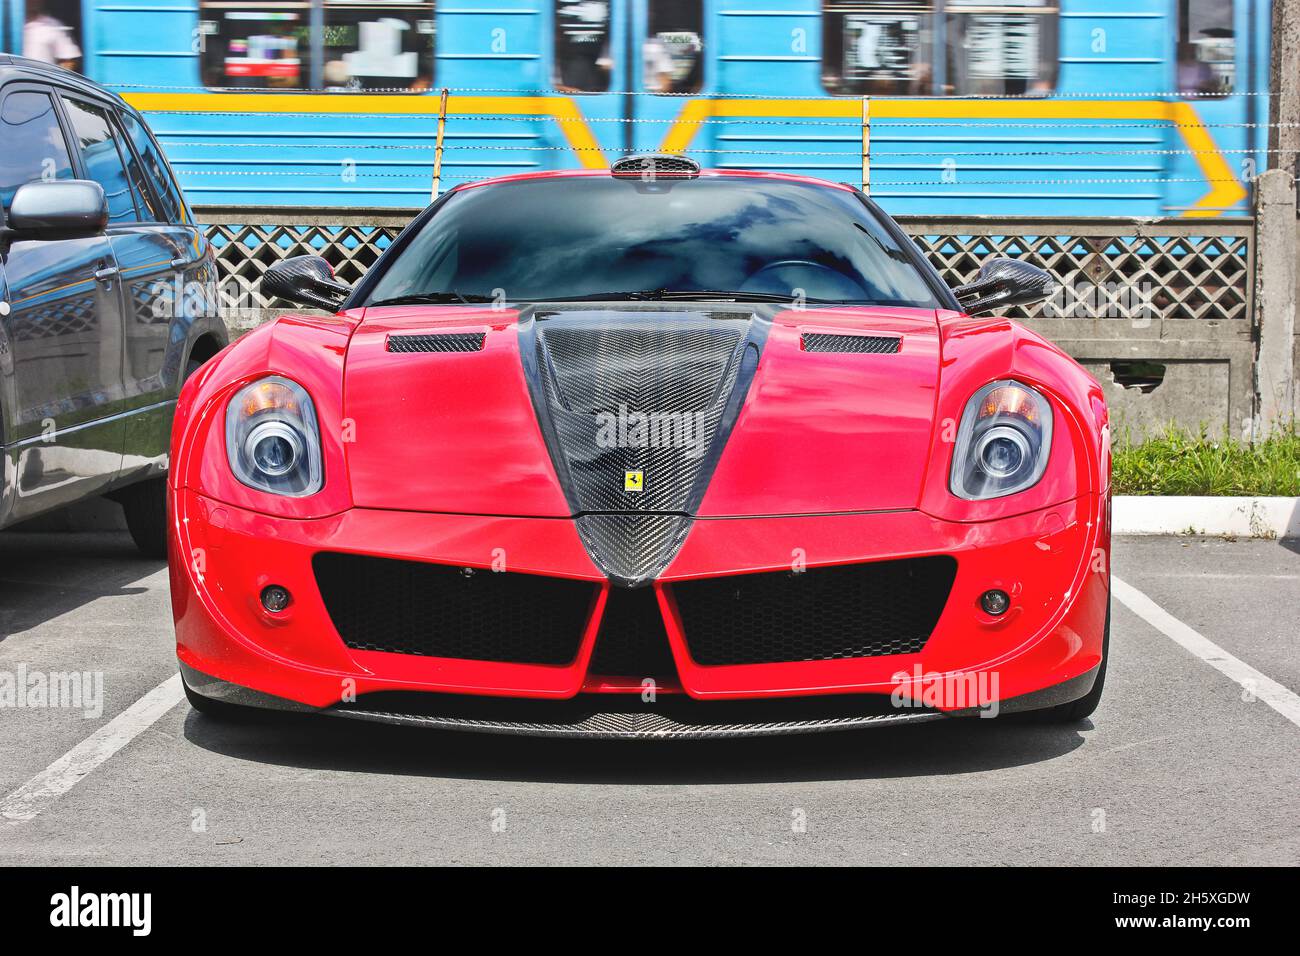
220,710
145,508
1077,710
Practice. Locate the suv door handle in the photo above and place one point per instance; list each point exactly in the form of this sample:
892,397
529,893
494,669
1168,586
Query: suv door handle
180,262
106,274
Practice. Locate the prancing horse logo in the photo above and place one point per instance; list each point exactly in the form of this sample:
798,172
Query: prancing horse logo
633,481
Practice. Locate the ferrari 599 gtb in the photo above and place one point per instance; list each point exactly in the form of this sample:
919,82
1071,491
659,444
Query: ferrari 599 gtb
651,451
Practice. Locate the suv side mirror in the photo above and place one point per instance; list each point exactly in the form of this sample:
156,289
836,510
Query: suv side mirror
305,280
62,209
1002,283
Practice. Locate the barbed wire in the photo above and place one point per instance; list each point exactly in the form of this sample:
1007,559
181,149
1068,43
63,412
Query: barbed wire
907,123
1071,181
879,153
435,91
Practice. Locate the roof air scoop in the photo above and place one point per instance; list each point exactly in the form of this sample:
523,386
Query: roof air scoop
651,166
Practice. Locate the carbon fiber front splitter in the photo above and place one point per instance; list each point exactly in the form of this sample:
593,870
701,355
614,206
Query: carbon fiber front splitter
591,716
642,725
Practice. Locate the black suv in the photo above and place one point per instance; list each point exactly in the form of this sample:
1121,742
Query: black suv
108,300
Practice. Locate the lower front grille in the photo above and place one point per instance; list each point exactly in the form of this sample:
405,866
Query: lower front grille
433,610
632,641
829,613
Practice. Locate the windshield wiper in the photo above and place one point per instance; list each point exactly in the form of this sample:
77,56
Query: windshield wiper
435,298
733,296
655,295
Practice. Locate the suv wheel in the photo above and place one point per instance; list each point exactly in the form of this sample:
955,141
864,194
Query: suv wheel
145,505
145,508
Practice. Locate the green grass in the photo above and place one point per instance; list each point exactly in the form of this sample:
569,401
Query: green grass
1181,463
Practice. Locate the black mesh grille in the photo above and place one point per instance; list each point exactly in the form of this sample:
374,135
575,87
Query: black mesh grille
632,641
432,610
856,610
437,342
862,344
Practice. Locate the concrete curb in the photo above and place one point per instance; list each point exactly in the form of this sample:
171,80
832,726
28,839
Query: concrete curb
1186,514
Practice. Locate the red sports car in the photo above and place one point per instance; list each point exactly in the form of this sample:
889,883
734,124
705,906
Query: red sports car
644,452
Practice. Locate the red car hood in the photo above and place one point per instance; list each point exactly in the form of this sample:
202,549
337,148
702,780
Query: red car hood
461,426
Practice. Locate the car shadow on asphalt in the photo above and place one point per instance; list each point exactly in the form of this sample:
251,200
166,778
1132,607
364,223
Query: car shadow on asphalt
43,576
936,748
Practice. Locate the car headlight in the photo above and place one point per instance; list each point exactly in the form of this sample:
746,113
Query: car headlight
1003,441
273,439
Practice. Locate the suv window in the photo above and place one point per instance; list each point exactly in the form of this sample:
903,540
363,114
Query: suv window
34,148
152,167
101,155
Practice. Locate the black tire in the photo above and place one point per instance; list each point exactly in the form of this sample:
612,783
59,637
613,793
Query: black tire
220,710
145,508
1077,710
145,504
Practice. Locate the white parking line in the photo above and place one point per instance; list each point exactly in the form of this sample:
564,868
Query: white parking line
65,773
1199,576
1265,688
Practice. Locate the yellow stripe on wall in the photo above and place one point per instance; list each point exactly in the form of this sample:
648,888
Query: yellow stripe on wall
1183,117
1226,192
570,119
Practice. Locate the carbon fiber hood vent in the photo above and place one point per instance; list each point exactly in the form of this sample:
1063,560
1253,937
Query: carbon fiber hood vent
636,406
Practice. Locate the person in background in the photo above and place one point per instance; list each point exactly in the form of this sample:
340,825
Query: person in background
658,66
1194,74
47,39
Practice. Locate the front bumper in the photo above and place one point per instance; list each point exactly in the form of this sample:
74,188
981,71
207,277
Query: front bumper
1045,650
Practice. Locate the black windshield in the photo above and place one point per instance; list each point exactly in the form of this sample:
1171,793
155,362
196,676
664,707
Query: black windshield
588,237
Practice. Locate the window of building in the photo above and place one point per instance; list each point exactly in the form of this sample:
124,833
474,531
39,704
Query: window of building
1008,48
878,47
150,167
101,155
1207,47
34,146
382,45
672,56
582,56
255,45
892,47
364,44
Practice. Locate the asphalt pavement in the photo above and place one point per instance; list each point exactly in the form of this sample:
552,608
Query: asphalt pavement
1187,761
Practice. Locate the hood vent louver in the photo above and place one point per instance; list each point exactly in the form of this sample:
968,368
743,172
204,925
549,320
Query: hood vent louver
655,165
858,344
437,342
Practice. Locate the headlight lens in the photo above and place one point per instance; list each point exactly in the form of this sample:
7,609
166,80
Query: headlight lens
273,439
1003,441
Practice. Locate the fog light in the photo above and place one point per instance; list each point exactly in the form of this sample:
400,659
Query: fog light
995,602
275,598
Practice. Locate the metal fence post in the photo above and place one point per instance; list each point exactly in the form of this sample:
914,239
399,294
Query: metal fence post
866,145
437,149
